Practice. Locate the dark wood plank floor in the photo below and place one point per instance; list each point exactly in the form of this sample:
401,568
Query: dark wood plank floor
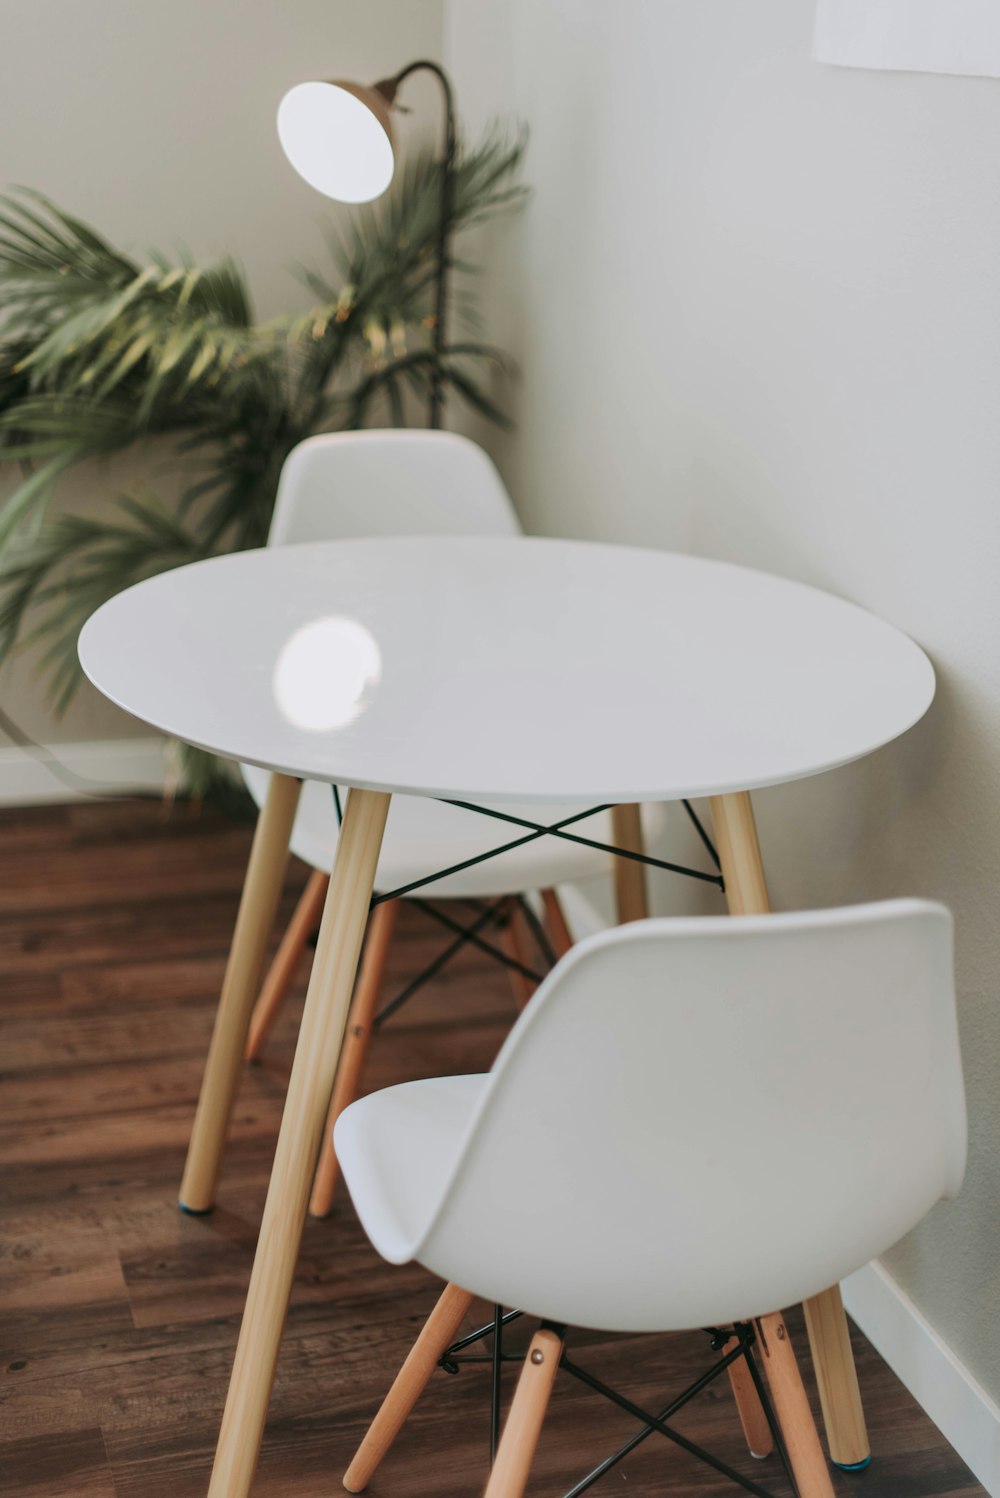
119,1315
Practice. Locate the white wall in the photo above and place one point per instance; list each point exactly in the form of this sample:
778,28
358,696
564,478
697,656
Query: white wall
756,303
156,123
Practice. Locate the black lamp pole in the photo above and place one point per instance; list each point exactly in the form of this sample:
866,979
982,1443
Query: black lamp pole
387,88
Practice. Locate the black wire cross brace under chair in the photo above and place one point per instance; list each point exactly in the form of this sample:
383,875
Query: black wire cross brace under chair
743,1335
500,911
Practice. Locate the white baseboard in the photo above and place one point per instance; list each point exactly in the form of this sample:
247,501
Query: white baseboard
960,1407
109,765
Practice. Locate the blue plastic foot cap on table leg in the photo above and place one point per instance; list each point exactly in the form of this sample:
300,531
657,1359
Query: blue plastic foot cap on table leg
196,1211
854,1466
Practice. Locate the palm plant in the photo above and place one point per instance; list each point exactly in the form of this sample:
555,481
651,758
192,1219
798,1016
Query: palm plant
99,352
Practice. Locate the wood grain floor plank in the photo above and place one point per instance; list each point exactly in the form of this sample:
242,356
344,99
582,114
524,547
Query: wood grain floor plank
76,1466
119,1315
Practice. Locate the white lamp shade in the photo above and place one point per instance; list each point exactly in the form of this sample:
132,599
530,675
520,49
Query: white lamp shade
336,141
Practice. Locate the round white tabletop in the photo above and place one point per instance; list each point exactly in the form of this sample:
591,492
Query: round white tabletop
518,669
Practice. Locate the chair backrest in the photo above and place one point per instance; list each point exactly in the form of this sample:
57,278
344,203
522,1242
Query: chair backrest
389,483
702,1120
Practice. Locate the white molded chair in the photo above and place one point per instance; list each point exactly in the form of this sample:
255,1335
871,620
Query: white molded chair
352,484
657,1073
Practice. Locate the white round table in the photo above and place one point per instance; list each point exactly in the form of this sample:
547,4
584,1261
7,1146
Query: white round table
510,670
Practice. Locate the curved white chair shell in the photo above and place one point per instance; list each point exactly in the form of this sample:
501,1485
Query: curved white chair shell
389,483
607,1171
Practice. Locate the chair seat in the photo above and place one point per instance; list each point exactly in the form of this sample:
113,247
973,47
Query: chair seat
397,1149
423,835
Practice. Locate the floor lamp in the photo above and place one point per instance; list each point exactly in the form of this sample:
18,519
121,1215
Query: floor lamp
338,136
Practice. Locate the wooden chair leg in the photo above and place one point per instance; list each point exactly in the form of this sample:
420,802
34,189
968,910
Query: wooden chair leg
630,876
829,1338
438,1333
748,1406
556,928
514,938
527,1413
355,1048
304,923
805,1454
261,891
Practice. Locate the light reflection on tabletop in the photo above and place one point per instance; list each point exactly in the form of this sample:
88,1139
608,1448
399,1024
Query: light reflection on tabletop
323,673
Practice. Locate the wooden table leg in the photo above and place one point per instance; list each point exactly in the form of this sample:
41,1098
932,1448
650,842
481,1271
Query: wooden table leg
632,905
261,892
829,1339
309,1088
303,925
836,1375
355,1047
630,876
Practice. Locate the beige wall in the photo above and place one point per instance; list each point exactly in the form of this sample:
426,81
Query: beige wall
756,302
156,123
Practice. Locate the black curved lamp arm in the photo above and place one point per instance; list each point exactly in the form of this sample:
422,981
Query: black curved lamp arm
387,88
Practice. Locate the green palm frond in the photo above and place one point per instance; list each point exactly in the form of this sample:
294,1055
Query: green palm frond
65,572
99,351
50,261
387,254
